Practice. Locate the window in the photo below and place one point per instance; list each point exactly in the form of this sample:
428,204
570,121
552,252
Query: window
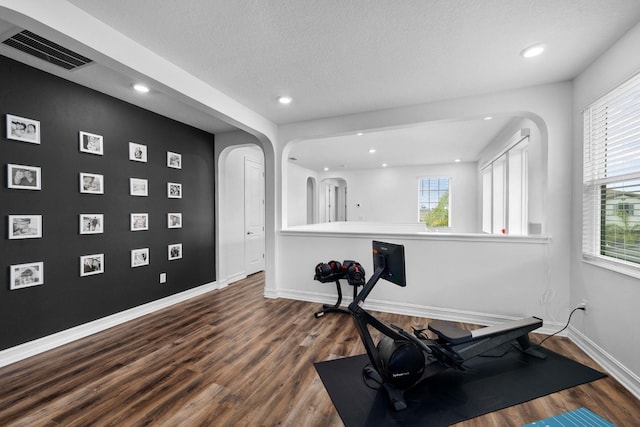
433,201
611,178
505,188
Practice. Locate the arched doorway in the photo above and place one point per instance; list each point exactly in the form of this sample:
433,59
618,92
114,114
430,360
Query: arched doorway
311,200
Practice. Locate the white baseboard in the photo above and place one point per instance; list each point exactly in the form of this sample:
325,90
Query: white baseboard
416,310
31,348
613,367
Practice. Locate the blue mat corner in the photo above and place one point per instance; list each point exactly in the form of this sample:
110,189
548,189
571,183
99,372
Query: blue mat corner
579,418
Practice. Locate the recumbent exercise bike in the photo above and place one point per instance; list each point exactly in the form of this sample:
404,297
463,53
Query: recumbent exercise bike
401,360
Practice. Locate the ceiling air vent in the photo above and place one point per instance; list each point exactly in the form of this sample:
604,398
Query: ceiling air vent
47,50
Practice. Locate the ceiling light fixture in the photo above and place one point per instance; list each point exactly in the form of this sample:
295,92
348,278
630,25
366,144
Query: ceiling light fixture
141,88
384,165
359,134
532,51
488,118
457,160
372,150
326,169
285,100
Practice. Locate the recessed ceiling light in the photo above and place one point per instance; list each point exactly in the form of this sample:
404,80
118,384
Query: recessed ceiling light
384,165
457,160
372,150
359,134
326,169
488,118
285,100
532,51
141,88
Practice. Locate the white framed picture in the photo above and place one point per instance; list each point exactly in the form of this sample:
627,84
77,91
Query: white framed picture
91,264
23,129
23,177
91,143
174,251
26,275
138,187
25,226
91,223
139,221
137,152
139,257
91,183
174,190
174,220
174,160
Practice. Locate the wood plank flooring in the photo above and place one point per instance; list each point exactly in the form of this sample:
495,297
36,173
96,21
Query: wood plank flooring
232,358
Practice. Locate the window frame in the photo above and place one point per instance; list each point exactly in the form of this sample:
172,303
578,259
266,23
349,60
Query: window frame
610,161
434,178
508,213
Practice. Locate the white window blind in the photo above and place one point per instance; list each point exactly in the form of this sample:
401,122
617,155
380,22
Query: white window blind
611,177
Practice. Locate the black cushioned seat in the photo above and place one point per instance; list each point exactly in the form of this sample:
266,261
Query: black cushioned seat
449,332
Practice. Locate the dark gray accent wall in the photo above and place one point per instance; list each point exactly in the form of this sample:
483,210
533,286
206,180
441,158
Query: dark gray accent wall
66,299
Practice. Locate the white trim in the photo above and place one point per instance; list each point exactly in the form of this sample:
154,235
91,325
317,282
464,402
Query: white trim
420,235
613,367
439,313
619,266
40,345
235,277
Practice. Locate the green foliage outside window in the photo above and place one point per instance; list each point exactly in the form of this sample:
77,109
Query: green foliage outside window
438,216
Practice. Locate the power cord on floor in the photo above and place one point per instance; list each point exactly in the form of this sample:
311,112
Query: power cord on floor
565,326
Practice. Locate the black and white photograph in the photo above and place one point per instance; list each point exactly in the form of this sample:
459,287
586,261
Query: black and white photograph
23,177
174,220
174,190
91,264
26,275
139,257
23,129
137,152
25,226
91,223
91,143
139,221
138,187
174,251
91,183
174,160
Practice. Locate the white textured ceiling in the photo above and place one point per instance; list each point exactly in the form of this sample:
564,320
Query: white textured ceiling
338,57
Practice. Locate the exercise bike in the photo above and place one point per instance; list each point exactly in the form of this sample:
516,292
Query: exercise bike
401,360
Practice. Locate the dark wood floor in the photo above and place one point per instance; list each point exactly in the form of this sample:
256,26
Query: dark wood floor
231,358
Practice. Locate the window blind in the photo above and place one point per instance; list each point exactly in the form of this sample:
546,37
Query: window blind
611,175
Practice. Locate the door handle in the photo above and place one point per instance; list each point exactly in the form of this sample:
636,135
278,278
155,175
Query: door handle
249,232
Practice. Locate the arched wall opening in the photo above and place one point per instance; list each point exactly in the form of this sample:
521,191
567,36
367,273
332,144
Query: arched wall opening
383,167
241,212
311,201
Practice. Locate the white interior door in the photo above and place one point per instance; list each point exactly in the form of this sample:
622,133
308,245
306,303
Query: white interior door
253,216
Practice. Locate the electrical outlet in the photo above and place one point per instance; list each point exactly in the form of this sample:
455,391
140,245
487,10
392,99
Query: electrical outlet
163,277
583,305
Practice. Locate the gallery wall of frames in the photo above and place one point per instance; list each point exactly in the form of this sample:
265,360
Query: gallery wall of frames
99,198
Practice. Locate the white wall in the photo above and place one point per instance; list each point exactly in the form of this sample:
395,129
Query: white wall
476,278
610,324
296,188
391,194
